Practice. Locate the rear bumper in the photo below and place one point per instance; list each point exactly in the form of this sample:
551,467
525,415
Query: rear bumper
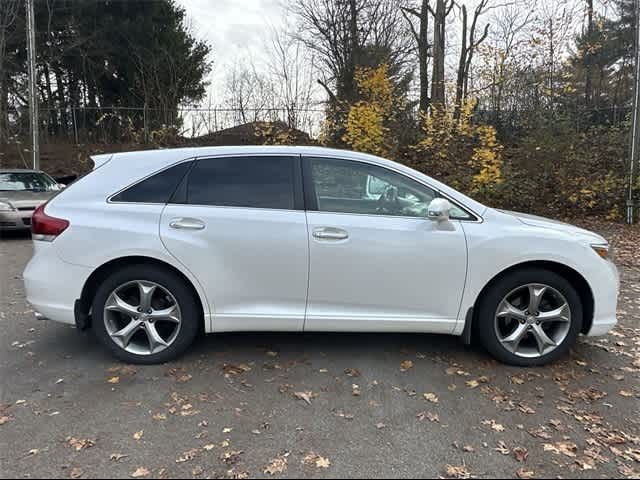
20,220
52,285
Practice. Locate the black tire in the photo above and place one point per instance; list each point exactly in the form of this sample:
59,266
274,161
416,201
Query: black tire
493,296
189,307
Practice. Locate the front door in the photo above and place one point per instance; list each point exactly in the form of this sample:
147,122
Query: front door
376,262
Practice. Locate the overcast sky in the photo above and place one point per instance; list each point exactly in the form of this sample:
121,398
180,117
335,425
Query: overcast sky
236,29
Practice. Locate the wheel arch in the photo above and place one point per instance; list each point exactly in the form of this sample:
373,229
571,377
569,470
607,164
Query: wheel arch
574,277
83,304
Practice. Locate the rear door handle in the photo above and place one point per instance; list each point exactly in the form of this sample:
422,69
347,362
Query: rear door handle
187,224
330,233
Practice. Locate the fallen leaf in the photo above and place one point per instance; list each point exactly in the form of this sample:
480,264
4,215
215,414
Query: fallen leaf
79,444
116,457
141,472
138,435
76,472
314,460
188,455
406,365
278,465
431,397
432,417
525,474
502,448
521,454
113,380
352,372
355,390
306,396
458,472
566,448
235,369
231,458
4,419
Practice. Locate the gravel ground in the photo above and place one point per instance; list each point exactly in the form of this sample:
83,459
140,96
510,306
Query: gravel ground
316,406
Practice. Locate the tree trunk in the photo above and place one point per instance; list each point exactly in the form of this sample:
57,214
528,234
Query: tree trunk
462,65
588,59
423,57
437,78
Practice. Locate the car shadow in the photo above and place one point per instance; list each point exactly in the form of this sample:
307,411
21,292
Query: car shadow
13,235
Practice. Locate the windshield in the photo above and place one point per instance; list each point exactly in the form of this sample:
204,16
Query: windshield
27,181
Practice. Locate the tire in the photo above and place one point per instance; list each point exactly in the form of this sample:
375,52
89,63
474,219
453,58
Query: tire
492,324
167,290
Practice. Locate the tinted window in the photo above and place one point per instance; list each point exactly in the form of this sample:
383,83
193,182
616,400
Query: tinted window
155,189
257,182
353,187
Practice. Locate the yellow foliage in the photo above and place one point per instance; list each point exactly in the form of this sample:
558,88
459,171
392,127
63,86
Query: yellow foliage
446,138
367,121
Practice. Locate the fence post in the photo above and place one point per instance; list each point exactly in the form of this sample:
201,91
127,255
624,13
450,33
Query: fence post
145,125
75,124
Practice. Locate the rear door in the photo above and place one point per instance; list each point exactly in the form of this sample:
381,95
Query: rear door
238,224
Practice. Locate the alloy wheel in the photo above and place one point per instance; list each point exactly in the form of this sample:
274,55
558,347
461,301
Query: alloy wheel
533,320
142,317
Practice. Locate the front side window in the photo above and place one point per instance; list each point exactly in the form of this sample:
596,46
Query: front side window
252,182
27,182
345,186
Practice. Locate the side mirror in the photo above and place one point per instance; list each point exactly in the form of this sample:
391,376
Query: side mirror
439,210
61,186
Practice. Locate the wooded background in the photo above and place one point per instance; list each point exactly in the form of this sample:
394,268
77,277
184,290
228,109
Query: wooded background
521,104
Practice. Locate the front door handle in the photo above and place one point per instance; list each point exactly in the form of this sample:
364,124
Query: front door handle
330,233
187,224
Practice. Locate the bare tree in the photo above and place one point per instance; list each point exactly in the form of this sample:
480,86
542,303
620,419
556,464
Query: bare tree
8,15
346,34
442,11
421,37
293,79
469,46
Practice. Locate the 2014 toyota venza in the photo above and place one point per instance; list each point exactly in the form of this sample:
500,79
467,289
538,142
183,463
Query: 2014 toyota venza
153,247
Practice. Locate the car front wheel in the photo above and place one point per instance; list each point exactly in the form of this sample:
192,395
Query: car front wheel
145,314
529,317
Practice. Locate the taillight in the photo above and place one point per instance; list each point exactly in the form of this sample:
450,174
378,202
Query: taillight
46,228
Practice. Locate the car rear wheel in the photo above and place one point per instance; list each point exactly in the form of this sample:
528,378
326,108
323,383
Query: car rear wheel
529,317
145,314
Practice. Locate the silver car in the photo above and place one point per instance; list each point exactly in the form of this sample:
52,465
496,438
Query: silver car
21,192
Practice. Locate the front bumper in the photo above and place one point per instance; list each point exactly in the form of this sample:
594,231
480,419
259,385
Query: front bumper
606,289
16,220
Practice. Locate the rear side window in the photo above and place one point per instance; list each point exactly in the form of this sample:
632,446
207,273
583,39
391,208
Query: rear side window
253,182
156,189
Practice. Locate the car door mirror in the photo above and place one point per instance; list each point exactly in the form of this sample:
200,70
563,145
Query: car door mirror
439,210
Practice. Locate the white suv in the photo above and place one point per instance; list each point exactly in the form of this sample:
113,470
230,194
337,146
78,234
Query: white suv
153,247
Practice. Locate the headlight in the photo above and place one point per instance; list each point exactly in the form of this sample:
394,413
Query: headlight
6,207
602,250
